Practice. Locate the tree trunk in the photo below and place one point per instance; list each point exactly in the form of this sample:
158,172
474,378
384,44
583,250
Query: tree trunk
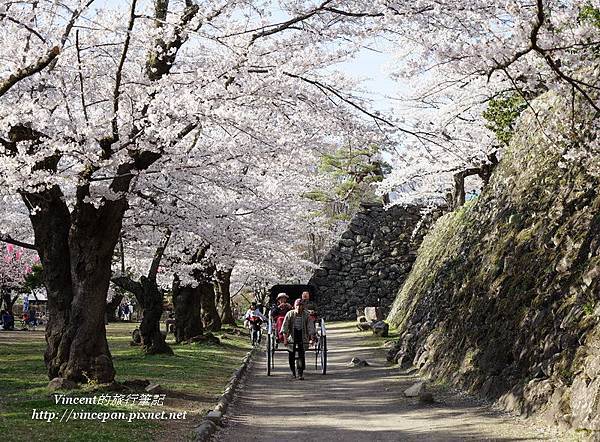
188,311
484,172
76,254
150,300
9,302
458,196
111,307
92,239
223,285
153,340
51,224
210,315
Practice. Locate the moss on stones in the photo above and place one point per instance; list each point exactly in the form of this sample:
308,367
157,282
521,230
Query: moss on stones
509,283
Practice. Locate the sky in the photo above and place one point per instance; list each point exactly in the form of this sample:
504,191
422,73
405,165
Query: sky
374,65
370,65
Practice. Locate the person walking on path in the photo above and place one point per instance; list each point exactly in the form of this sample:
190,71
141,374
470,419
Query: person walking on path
253,320
295,337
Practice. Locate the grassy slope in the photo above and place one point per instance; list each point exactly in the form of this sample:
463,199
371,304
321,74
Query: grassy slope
503,297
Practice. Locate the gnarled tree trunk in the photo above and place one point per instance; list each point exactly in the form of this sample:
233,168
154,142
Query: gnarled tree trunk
210,316
150,299
222,286
188,311
8,301
76,252
112,305
484,172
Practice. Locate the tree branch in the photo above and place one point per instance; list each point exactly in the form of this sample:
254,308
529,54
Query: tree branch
289,23
28,71
80,75
30,29
128,284
160,251
161,59
8,240
119,73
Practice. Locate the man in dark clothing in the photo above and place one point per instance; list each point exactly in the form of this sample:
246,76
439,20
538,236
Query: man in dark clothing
8,320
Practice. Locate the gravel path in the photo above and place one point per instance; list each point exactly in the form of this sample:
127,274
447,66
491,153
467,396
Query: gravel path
357,404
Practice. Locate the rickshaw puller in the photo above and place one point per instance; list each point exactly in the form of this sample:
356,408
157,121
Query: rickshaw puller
295,332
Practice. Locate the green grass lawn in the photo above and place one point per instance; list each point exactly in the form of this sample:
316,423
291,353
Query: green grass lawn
193,380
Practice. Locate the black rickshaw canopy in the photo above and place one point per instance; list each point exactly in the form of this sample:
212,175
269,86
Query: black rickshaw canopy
294,291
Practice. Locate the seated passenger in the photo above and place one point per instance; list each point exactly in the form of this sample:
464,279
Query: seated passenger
278,313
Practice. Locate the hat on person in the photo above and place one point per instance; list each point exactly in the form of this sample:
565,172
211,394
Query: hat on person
298,302
282,295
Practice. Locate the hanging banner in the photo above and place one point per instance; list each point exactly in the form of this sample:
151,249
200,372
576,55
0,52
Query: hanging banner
25,303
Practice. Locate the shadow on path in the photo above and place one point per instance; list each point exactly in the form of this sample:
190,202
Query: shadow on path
355,404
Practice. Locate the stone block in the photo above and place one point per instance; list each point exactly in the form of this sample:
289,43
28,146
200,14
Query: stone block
414,390
381,328
214,416
61,384
374,313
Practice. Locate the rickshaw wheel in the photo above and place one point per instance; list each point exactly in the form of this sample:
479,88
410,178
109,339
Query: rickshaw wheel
269,354
323,354
273,344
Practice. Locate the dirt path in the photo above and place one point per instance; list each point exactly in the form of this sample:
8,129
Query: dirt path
356,404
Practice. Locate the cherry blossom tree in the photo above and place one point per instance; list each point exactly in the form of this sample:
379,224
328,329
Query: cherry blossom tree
90,100
461,60
150,298
196,104
15,265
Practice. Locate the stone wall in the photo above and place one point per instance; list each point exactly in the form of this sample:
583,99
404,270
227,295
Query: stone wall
371,260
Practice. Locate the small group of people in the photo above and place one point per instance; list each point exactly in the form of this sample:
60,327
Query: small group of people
28,318
295,327
125,311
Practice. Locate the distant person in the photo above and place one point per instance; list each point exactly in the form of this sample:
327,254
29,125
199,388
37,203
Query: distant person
253,320
170,323
295,337
259,304
33,317
126,312
8,320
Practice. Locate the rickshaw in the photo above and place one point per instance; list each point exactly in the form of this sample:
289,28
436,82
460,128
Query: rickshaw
274,343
